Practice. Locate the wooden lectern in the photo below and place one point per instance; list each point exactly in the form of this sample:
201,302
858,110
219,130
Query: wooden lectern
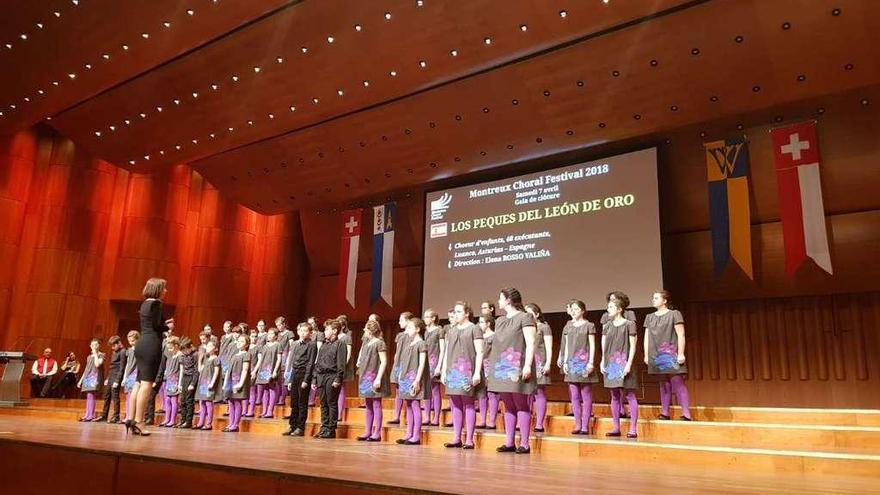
10,386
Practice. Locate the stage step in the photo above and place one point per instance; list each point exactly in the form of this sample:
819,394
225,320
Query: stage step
826,461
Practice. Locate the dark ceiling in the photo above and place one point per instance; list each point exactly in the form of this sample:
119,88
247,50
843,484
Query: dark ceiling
286,104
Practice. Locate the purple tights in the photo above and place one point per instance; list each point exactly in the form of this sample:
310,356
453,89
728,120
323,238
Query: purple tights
398,406
540,402
517,413
373,426
170,410
90,406
674,384
236,407
432,407
341,403
581,393
206,413
463,412
616,399
269,398
488,409
414,420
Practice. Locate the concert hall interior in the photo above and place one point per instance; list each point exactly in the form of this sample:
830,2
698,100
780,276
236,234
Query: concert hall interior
294,158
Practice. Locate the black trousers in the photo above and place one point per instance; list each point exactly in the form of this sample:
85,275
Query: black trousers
111,394
150,413
329,401
40,385
299,401
187,400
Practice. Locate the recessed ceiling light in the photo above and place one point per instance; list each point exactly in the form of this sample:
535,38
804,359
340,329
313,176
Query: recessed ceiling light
279,60
366,83
330,39
88,66
23,36
158,109
113,128
423,64
143,115
387,16
419,3
40,91
195,141
257,70
125,47
292,108
215,87
234,78
9,46
211,135
487,41
357,27
147,157
304,49
230,129
454,53
54,83
315,101
75,2
162,152
250,122
195,95
190,12
127,122
340,92
105,56
271,116
12,107
166,24
72,75
57,14
40,25
145,35
563,13
177,147
98,133
26,99
176,101
131,162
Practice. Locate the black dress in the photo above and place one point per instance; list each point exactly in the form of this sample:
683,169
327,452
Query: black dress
148,350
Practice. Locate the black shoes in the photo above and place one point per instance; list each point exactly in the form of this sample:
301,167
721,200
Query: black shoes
523,450
506,448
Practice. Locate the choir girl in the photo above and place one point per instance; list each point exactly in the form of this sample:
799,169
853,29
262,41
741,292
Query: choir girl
265,372
618,351
414,381
298,373
577,353
543,353
236,382
399,343
462,372
435,341
345,340
664,354
172,380
129,375
512,363
487,416
628,314
91,379
210,389
373,383
285,336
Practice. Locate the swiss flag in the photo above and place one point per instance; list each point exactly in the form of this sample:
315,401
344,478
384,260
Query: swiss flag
796,153
348,257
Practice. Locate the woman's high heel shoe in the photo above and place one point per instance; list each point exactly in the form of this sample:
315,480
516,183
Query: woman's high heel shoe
137,431
128,424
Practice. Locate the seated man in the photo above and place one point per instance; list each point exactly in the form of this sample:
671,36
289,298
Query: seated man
42,372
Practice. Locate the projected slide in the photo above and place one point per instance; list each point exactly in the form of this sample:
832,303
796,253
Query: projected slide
573,232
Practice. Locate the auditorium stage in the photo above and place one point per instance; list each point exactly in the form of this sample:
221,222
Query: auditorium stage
97,458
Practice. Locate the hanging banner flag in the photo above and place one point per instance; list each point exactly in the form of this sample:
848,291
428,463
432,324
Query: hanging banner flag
383,252
796,151
348,257
727,165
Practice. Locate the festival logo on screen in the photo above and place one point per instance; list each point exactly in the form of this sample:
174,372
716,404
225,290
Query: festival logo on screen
439,230
439,206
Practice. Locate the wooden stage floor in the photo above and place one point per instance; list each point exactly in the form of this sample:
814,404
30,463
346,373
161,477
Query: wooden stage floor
46,455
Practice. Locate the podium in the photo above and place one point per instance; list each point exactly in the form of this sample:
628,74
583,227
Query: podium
10,385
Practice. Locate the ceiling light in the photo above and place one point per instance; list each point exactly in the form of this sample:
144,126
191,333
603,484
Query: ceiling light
271,115
366,83
159,109
279,60
145,35
147,157
340,92
23,36
330,39
72,75
234,78
423,64
523,27
211,135
315,101
106,57
230,129
454,53
195,95
26,99
162,152
250,122
419,3
487,41
176,101
75,2
387,16
393,73
125,47
215,87
127,122
113,128
12,107
357,27
292,108
195,141
54,83
40,25
257,70
563,14
190,12
304,49
143,115
166,24
40,91
177,147
88,66
98,133
9,46
131,162
57,14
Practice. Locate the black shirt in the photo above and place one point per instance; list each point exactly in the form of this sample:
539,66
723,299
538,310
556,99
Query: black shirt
331,360
301,358
117,365
190,364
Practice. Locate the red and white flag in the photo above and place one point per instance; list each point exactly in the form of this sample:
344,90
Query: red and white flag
796,151
348,258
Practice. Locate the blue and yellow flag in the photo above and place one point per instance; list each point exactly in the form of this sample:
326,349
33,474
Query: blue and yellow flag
727,165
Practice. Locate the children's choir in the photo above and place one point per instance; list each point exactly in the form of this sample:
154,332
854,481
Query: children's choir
497,360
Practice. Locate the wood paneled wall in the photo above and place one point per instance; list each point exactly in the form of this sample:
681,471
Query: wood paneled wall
79,237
